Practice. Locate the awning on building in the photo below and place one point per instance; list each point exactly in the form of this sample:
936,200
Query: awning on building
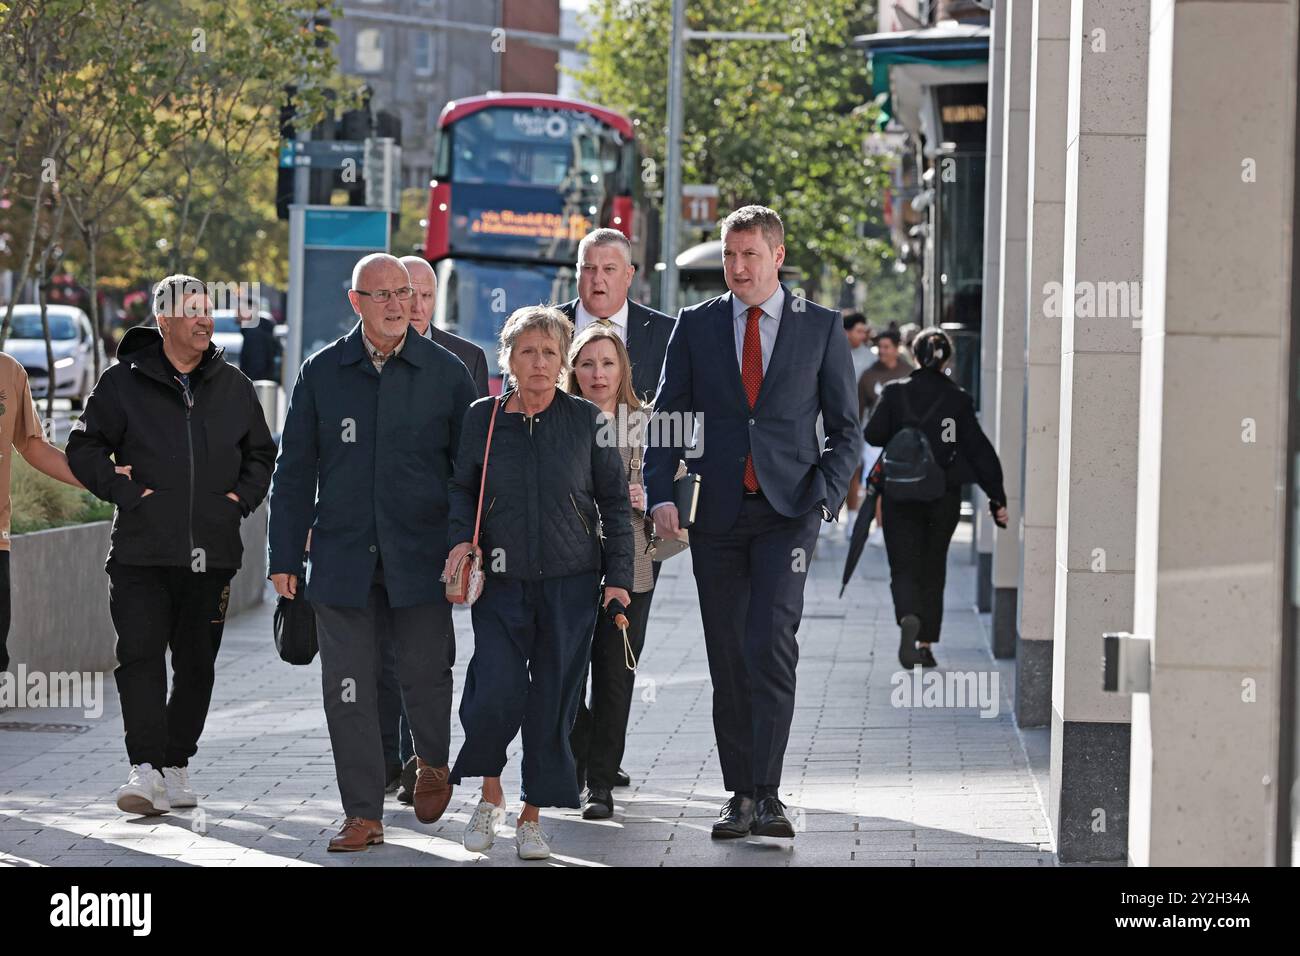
906,63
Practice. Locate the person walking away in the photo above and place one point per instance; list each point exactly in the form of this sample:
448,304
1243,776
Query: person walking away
917,533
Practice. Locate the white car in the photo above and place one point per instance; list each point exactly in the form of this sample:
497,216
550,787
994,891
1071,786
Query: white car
226,333
71,339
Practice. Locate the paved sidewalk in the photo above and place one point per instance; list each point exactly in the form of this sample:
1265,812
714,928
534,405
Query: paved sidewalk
866,782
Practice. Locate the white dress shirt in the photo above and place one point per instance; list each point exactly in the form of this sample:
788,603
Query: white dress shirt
583,318
768,323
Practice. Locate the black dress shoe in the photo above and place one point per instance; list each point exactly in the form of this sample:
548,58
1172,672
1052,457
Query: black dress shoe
393,778
407,793
909,628
621,779
599,804
927,658
771,823
736,818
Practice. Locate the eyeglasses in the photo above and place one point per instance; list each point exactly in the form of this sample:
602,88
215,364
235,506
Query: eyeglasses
381,295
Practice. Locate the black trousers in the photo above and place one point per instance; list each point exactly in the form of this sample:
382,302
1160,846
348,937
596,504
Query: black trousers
153,609
600,730
750,581
4,610
917,534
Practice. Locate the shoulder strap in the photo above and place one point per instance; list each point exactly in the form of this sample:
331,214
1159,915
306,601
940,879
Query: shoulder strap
482,485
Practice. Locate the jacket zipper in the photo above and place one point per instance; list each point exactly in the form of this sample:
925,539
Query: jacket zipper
580,517
188,398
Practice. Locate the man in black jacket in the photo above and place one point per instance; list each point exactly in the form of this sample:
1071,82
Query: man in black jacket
191,430
605,274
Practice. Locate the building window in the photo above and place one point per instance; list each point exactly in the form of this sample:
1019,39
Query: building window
422,53
369,51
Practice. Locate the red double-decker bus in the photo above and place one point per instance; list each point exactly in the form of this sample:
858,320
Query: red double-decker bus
519,180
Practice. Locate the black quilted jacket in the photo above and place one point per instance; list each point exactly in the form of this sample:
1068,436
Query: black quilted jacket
549,480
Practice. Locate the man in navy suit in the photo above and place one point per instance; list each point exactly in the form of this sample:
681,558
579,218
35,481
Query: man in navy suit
754,369
605,274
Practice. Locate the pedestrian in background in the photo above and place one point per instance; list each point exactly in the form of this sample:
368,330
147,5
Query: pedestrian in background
858,333
602,373
605,274
190,429
549,479
369,442
917,533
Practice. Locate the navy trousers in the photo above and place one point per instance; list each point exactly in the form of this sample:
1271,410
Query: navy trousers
532,644
750,580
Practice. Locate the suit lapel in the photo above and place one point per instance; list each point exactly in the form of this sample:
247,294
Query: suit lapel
785,333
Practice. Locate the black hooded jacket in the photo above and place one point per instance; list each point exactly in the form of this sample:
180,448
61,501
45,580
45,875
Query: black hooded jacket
190,449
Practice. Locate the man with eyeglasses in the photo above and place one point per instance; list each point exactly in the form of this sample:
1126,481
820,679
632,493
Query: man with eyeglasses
368,445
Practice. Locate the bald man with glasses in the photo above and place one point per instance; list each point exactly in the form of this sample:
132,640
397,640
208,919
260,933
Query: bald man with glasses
368,445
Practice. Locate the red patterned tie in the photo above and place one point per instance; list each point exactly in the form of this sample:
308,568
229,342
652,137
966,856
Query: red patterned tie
751,376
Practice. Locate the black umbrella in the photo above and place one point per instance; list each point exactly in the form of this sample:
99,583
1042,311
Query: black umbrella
862,526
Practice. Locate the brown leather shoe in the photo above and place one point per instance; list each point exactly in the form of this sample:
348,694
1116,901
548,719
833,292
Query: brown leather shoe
432,791
357,834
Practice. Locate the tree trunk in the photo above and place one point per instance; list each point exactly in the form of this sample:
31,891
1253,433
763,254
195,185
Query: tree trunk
90,237
25,270
42,292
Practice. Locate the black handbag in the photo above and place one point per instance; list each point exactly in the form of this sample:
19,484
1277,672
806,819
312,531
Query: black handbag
295,627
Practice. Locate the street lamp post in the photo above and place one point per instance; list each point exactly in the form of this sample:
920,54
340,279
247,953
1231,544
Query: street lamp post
673,172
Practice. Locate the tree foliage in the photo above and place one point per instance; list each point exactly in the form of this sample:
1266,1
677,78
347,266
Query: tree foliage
770,122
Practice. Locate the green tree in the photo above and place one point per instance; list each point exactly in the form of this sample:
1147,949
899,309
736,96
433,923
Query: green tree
152,126
776,123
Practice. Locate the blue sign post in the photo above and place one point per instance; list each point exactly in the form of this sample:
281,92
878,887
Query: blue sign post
324,244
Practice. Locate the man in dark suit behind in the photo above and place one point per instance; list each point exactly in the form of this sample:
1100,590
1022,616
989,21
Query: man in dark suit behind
605,274
425,284
753,369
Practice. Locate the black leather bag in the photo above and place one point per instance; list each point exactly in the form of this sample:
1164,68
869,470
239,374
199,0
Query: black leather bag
295,627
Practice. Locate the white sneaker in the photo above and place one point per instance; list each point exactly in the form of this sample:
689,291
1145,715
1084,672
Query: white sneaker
531,841
481,830
179,792
144,793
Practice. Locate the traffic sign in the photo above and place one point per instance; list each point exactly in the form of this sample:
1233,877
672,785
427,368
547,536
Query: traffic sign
699,205
322,153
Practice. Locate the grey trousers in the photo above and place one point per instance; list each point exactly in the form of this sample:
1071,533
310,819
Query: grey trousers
351,661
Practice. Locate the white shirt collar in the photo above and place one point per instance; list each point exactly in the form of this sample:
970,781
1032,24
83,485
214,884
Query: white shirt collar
771,306
585,318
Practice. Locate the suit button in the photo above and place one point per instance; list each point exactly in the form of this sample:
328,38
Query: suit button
741,459
373,549
751,421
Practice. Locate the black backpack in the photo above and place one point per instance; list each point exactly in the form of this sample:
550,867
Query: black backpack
909,469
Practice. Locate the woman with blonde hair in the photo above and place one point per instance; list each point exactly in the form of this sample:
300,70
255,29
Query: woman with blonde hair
547,480
601,372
